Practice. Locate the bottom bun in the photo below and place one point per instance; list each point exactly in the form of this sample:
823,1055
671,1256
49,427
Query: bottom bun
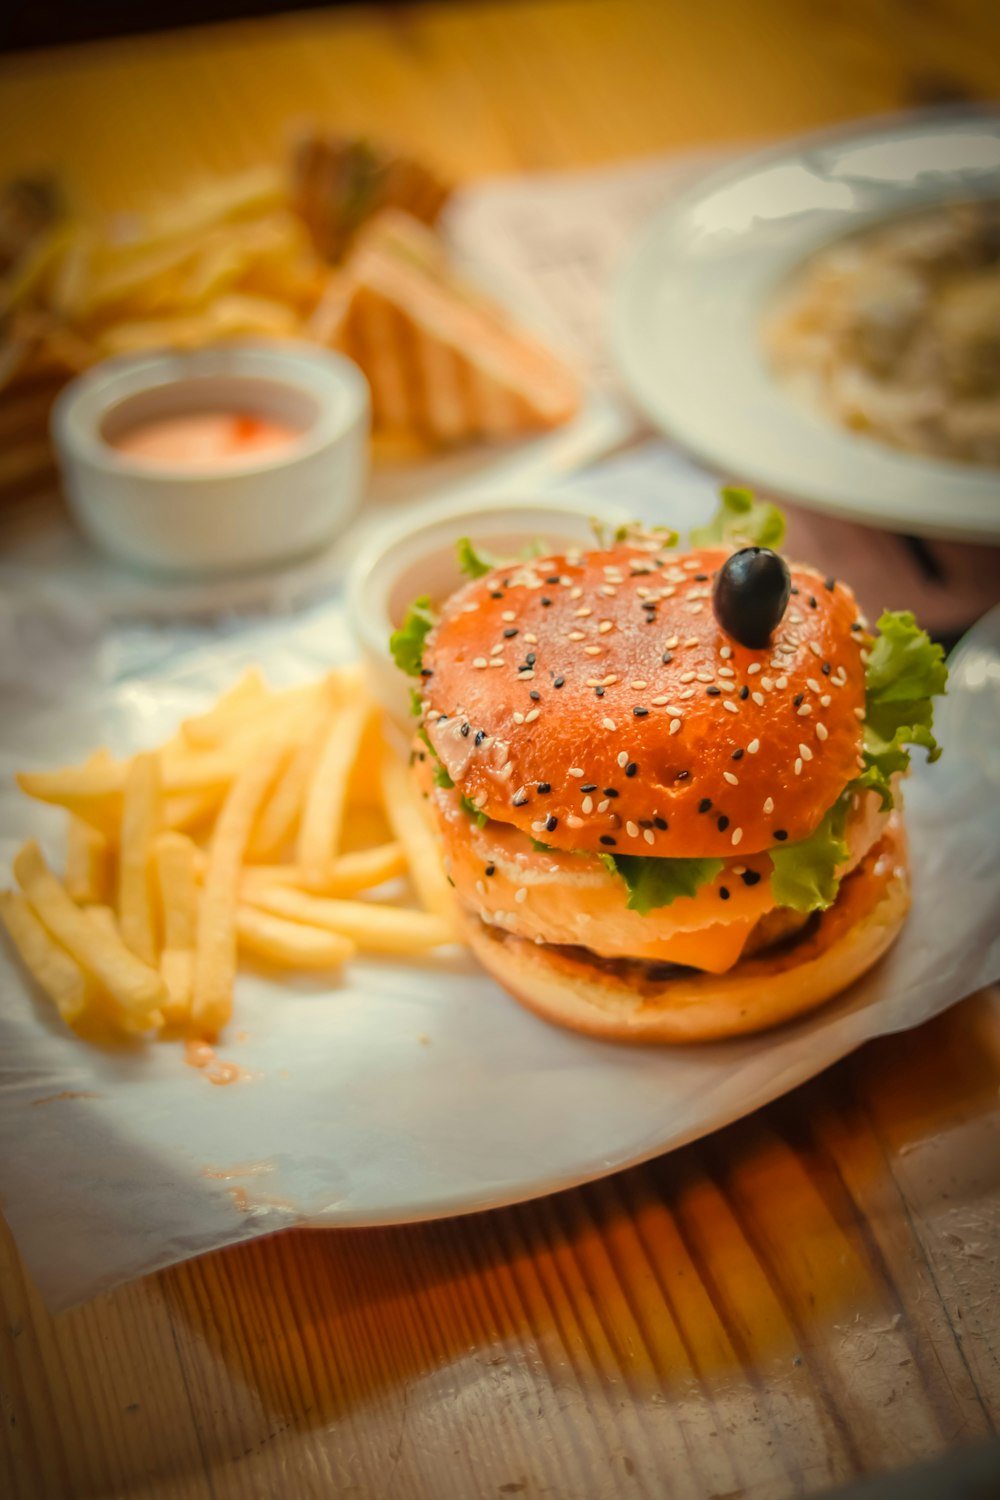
626,1001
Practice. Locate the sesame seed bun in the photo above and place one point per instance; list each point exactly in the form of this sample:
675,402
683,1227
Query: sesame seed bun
596,703
629,1003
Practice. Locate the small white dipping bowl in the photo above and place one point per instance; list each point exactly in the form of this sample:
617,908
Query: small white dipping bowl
397,567
256,511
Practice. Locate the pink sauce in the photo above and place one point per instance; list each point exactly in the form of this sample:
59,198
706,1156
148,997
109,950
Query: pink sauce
205,440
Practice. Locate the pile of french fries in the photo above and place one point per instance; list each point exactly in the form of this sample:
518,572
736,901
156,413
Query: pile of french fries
263,828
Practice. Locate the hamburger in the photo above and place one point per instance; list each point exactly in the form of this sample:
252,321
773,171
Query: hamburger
667,783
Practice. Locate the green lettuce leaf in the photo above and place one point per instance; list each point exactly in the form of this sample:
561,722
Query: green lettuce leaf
407,643
659,882
741,521
905,672
441,777
472,563
804,875
470,807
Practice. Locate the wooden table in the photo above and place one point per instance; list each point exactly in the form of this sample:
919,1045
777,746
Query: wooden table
804,1297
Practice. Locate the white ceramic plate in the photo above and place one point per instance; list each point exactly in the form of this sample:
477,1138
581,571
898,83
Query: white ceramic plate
686,317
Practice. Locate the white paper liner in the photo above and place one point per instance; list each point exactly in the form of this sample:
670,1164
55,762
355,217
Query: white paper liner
405,1090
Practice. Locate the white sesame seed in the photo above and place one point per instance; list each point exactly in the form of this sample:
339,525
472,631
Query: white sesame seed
739,869
737,836
592,650
496,650
758,698
623,758
726,672
822,732
805,752
480,661
609,724
668,592
859,713
518,718
639,683
594,681
606,588
675,726
813,685
508,615
704,677
726,652
572,821
688,677
505,770
632,829
574,771
603,806
575,593
577,635
692,640
521,894
587,805
649,836
769,805
686,693
728,703
481,887
524,676
537,827
803,709
672,644
728,776
781,684
532,640
798,765
753,668
469,609
532,715
582,613
825,701
753,747
815,649
694,609
659,701
479,800
767,683
605,626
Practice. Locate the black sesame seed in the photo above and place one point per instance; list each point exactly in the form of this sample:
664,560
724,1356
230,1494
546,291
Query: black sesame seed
553,579
798,699
683,776
750,877
812,601
713,692
631,768
426,672
598,692
722,823
559,682
545,601
607,839
649,604
535,697
705,805
738,754
830,584
781,835
496,593
666,658
531,658
640,713
825,669
661,824
650,619
521,801
794,589
442,718
509,635
543,788
645,822
744,693
609,791
590,786
856,625
480,736
701,578
464,731
421,755
552,823
491,869
723,893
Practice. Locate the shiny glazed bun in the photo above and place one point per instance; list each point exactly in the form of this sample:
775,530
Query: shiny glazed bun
596,703
627,1002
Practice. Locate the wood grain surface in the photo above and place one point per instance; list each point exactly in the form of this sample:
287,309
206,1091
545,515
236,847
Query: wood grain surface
808,1295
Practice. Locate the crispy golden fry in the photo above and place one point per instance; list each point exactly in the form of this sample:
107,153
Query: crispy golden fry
408,821
105,917
52,968
88,862
94,793
377,928
141,819
279,817
291,944
289,708
323,814
174,857
249,691
348,874
215,952
190,810
133,984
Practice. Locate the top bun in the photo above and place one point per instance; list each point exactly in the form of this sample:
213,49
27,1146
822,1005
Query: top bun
596,703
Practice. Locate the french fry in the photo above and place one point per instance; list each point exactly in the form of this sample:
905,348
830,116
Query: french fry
94,793
186,810
279,816
88,862
323,814
141,816
376,928
134,985
291,944
215,950
408,821
104,916
248,691
288,708
348,874
174,859
52,968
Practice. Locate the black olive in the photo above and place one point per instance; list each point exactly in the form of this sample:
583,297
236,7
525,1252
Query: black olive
751,595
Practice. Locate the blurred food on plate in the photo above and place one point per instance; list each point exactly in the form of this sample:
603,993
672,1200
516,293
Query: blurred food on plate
896,332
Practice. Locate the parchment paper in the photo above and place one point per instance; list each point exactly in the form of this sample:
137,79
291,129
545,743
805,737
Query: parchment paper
407,1090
